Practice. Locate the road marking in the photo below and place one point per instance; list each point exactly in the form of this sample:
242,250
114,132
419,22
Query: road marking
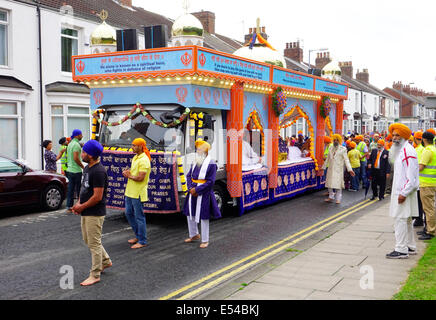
336,217
118,231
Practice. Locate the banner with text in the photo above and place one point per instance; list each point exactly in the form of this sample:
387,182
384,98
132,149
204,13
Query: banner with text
162,187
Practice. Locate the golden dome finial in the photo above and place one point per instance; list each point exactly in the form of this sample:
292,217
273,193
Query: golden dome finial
103,15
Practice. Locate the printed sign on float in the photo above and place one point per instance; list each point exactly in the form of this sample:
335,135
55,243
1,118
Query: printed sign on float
213,62
331,88
153,61
162,186
292,79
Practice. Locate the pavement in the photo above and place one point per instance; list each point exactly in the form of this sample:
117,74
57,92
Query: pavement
350,264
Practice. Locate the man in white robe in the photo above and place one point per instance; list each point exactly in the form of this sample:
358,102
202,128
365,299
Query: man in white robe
250,159
404,198
336,162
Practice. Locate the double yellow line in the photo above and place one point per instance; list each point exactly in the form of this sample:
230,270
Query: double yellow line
260,254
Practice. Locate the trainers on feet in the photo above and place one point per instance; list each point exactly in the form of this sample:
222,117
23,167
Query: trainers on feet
426,236
412,252
397,255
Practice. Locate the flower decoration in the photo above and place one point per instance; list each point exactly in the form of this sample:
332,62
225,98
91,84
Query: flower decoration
139,109
279,101
326,107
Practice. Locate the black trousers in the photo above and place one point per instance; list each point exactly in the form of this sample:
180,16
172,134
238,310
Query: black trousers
421,210
378,183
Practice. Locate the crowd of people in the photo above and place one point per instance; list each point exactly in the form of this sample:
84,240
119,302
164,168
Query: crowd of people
350,162
399,162
87,188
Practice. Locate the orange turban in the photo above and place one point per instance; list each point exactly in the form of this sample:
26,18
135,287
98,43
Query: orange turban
418,135
141,142
327,139
348,142
352,144
381,142
359,138
432,131
402,129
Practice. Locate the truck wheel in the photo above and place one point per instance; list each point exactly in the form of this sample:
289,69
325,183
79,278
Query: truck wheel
221,197
52,197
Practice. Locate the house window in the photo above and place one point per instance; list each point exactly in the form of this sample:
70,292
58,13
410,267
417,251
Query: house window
69,45
3,38
10,129
64,119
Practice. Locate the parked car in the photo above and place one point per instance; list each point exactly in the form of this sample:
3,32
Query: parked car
20,185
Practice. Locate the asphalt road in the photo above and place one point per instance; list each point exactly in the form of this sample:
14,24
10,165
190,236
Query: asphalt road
35,245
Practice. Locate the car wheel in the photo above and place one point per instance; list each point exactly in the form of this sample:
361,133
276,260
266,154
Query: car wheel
52,197
221,197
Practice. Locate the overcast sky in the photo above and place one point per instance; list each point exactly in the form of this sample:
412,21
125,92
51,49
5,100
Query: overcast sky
394,39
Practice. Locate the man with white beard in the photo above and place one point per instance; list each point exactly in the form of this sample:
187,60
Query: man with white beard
200,204
404,198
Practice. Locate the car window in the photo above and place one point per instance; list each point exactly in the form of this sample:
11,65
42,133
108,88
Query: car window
7,165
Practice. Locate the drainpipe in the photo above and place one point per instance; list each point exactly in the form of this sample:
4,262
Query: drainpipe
41,101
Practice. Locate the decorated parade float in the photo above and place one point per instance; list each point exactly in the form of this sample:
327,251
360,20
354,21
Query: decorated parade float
175,95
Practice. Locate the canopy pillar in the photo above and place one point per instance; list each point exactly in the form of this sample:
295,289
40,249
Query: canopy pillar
273,144
339,116
235,120
320,133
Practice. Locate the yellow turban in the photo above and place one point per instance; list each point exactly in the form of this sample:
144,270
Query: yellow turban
337,137
402,129
201,144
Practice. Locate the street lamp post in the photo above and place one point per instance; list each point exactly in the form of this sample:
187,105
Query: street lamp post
314,50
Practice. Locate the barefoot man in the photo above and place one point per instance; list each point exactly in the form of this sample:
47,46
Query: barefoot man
92,208
200,204
137,192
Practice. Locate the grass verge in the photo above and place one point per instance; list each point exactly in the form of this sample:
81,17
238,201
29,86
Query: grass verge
421,284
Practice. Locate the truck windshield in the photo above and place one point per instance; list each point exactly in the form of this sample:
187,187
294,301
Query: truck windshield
157,138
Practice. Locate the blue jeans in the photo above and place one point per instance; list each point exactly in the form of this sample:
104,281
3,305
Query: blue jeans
74,183
355,179
135,216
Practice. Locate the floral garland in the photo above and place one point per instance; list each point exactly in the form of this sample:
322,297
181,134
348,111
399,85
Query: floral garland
326,107
139,109
311,132
278,101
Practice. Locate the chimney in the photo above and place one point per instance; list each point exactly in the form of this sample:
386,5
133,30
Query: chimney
363,75
322,59
294,52
127,3
347,68
248,36
207,19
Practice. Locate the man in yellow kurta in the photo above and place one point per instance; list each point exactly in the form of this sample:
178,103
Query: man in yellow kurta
137,192
336,161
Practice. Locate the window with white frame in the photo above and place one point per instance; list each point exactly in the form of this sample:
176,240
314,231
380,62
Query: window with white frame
69,47
65,119
4,23
11,126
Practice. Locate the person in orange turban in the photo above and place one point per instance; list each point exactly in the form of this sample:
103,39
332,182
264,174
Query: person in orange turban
404,199
327,140
142,143
136,192
417,141
400,130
